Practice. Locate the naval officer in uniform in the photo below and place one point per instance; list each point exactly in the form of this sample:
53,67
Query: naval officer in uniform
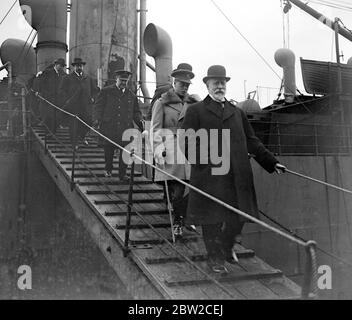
116,109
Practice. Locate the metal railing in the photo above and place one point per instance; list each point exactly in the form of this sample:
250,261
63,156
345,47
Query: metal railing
309,289
284,138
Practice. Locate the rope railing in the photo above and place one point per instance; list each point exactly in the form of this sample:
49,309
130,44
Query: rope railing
199,191
130,206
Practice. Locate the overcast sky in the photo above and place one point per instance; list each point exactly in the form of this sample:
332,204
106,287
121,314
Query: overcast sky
202,36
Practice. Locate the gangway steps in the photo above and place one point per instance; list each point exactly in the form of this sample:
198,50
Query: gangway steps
166,270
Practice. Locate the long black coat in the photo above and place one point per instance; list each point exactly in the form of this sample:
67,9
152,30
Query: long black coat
116,111
77,94
48,87
236,187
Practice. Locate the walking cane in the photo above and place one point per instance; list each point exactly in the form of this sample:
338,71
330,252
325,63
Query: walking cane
170,209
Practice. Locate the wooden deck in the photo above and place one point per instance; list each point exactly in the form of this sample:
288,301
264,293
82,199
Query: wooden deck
152,269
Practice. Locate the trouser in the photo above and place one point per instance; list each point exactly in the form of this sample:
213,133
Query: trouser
178,201
81,129
219,238
49,116
109,150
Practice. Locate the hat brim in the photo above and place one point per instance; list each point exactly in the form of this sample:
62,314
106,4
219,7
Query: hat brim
183,80
77,63
177,72
120,74
205,79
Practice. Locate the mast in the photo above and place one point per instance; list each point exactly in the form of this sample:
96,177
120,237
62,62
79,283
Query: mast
317,15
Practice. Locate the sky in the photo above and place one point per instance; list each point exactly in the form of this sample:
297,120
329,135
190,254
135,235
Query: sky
202,36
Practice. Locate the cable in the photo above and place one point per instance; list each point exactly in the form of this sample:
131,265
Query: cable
332,255
243,36
7,13
256,51
199,191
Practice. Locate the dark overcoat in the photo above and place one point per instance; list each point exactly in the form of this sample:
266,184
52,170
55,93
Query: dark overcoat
116,111
236,187
77,94
48,86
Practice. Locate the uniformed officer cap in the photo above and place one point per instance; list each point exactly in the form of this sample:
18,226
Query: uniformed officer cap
123,74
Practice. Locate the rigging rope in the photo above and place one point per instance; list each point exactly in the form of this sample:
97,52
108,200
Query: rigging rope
7,13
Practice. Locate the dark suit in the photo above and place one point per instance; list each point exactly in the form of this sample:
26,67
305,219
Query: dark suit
115,111
77,95
235,187
48,87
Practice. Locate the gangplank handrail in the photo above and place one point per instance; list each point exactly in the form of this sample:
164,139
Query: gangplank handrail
310,249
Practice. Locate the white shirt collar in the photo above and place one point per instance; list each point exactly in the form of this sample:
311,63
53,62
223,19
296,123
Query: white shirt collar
78,74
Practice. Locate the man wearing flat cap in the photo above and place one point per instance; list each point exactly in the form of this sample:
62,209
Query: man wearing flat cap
48,87
115,110
77,93
167,116
228,134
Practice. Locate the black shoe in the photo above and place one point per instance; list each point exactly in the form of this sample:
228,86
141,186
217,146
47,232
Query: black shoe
107,174
217,266
232,258
178,230
191,227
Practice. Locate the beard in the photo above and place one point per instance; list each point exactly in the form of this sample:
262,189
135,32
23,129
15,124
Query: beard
219,95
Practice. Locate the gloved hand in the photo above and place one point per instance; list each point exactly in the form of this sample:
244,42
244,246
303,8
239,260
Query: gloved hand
279,168
145,134
159,154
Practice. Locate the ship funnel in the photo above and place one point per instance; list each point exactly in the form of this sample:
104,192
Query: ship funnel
49,19
286,59
22,58
158,44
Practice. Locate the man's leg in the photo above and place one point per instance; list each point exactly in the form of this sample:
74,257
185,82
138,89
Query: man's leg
179,205
230,230
211,238
122,166
109,150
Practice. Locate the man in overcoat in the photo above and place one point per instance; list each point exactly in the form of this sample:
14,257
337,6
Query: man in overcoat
77,93
115,110
48,87
228,133
167,115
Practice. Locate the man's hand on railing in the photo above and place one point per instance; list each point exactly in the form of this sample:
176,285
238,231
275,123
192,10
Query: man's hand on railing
279,168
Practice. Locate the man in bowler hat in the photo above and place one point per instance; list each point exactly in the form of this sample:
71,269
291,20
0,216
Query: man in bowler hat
77,93
234,185
48,87
115,110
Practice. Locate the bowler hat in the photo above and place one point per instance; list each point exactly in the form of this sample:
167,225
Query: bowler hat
123,74
77,61
183,73
217,72
60,61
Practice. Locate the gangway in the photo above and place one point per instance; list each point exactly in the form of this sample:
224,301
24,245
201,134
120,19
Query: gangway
151,269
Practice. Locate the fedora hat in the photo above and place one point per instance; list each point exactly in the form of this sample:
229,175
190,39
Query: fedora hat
77,61
60,61
183,73
123,74
216,71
